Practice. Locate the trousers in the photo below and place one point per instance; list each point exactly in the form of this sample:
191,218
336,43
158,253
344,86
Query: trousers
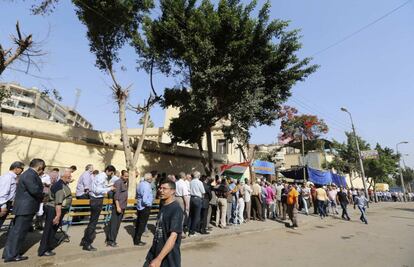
49,231
96,208
114,224
16,236
141,222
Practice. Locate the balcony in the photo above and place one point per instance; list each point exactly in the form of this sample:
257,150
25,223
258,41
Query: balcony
23,99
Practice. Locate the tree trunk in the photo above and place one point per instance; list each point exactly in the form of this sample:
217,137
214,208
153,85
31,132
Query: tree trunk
134,170
250,162
138,150
350,179
126,144
203,158
210,153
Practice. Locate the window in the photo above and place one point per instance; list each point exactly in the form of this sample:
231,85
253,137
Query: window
221,146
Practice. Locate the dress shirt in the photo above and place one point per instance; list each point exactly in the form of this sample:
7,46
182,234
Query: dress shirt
100,185
279,188
7,187
270,195
361,201
121,193
114,179
247,191
84,182
181,189
144,195
321,194
196,188
256,189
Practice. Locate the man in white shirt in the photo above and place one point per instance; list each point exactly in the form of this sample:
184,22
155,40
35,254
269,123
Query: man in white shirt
197,192
8,189
100,187
182,192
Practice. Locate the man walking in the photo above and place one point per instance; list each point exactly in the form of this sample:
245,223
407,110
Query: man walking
8,184
361,201
100,187
293,205
145,198
343,201
165,249
120,201
321,198
29,195
60,199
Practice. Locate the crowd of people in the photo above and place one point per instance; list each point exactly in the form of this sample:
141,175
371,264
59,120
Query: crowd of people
190,205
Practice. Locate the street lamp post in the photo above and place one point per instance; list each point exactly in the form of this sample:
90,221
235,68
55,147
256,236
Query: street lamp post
359,152
399,168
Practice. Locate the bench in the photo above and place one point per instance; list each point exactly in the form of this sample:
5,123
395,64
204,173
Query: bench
80,208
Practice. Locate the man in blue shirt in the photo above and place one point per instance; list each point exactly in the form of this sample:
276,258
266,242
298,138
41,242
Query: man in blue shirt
100,186
144,203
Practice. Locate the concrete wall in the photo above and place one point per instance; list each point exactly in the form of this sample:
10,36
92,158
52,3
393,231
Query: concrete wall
61,146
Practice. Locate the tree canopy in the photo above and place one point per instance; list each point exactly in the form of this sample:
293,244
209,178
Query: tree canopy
346,154
384,168
232,66
294,126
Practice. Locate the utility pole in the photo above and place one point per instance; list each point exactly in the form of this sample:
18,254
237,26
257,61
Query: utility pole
399,168
361,165
77,96
303,158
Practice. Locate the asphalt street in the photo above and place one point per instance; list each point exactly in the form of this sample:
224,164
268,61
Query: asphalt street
386,241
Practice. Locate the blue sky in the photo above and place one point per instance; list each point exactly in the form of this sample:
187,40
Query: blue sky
370,73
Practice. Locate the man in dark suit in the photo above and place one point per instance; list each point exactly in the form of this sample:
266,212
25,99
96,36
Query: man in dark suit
29,195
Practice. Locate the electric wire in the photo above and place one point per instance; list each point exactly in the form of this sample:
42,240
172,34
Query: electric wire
361,29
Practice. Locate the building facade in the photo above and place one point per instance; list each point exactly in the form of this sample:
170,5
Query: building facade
32,103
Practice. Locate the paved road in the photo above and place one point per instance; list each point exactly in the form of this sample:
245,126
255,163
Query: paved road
388,240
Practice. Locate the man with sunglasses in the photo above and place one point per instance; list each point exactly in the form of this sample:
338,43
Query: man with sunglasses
165,249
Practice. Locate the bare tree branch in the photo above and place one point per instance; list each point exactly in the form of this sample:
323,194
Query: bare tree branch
23,46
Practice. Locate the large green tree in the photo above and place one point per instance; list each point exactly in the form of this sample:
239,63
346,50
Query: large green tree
383,168
233,67
110,26
408,175
346,158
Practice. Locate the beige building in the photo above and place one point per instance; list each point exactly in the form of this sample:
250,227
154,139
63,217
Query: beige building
30,102
160,135
61,145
